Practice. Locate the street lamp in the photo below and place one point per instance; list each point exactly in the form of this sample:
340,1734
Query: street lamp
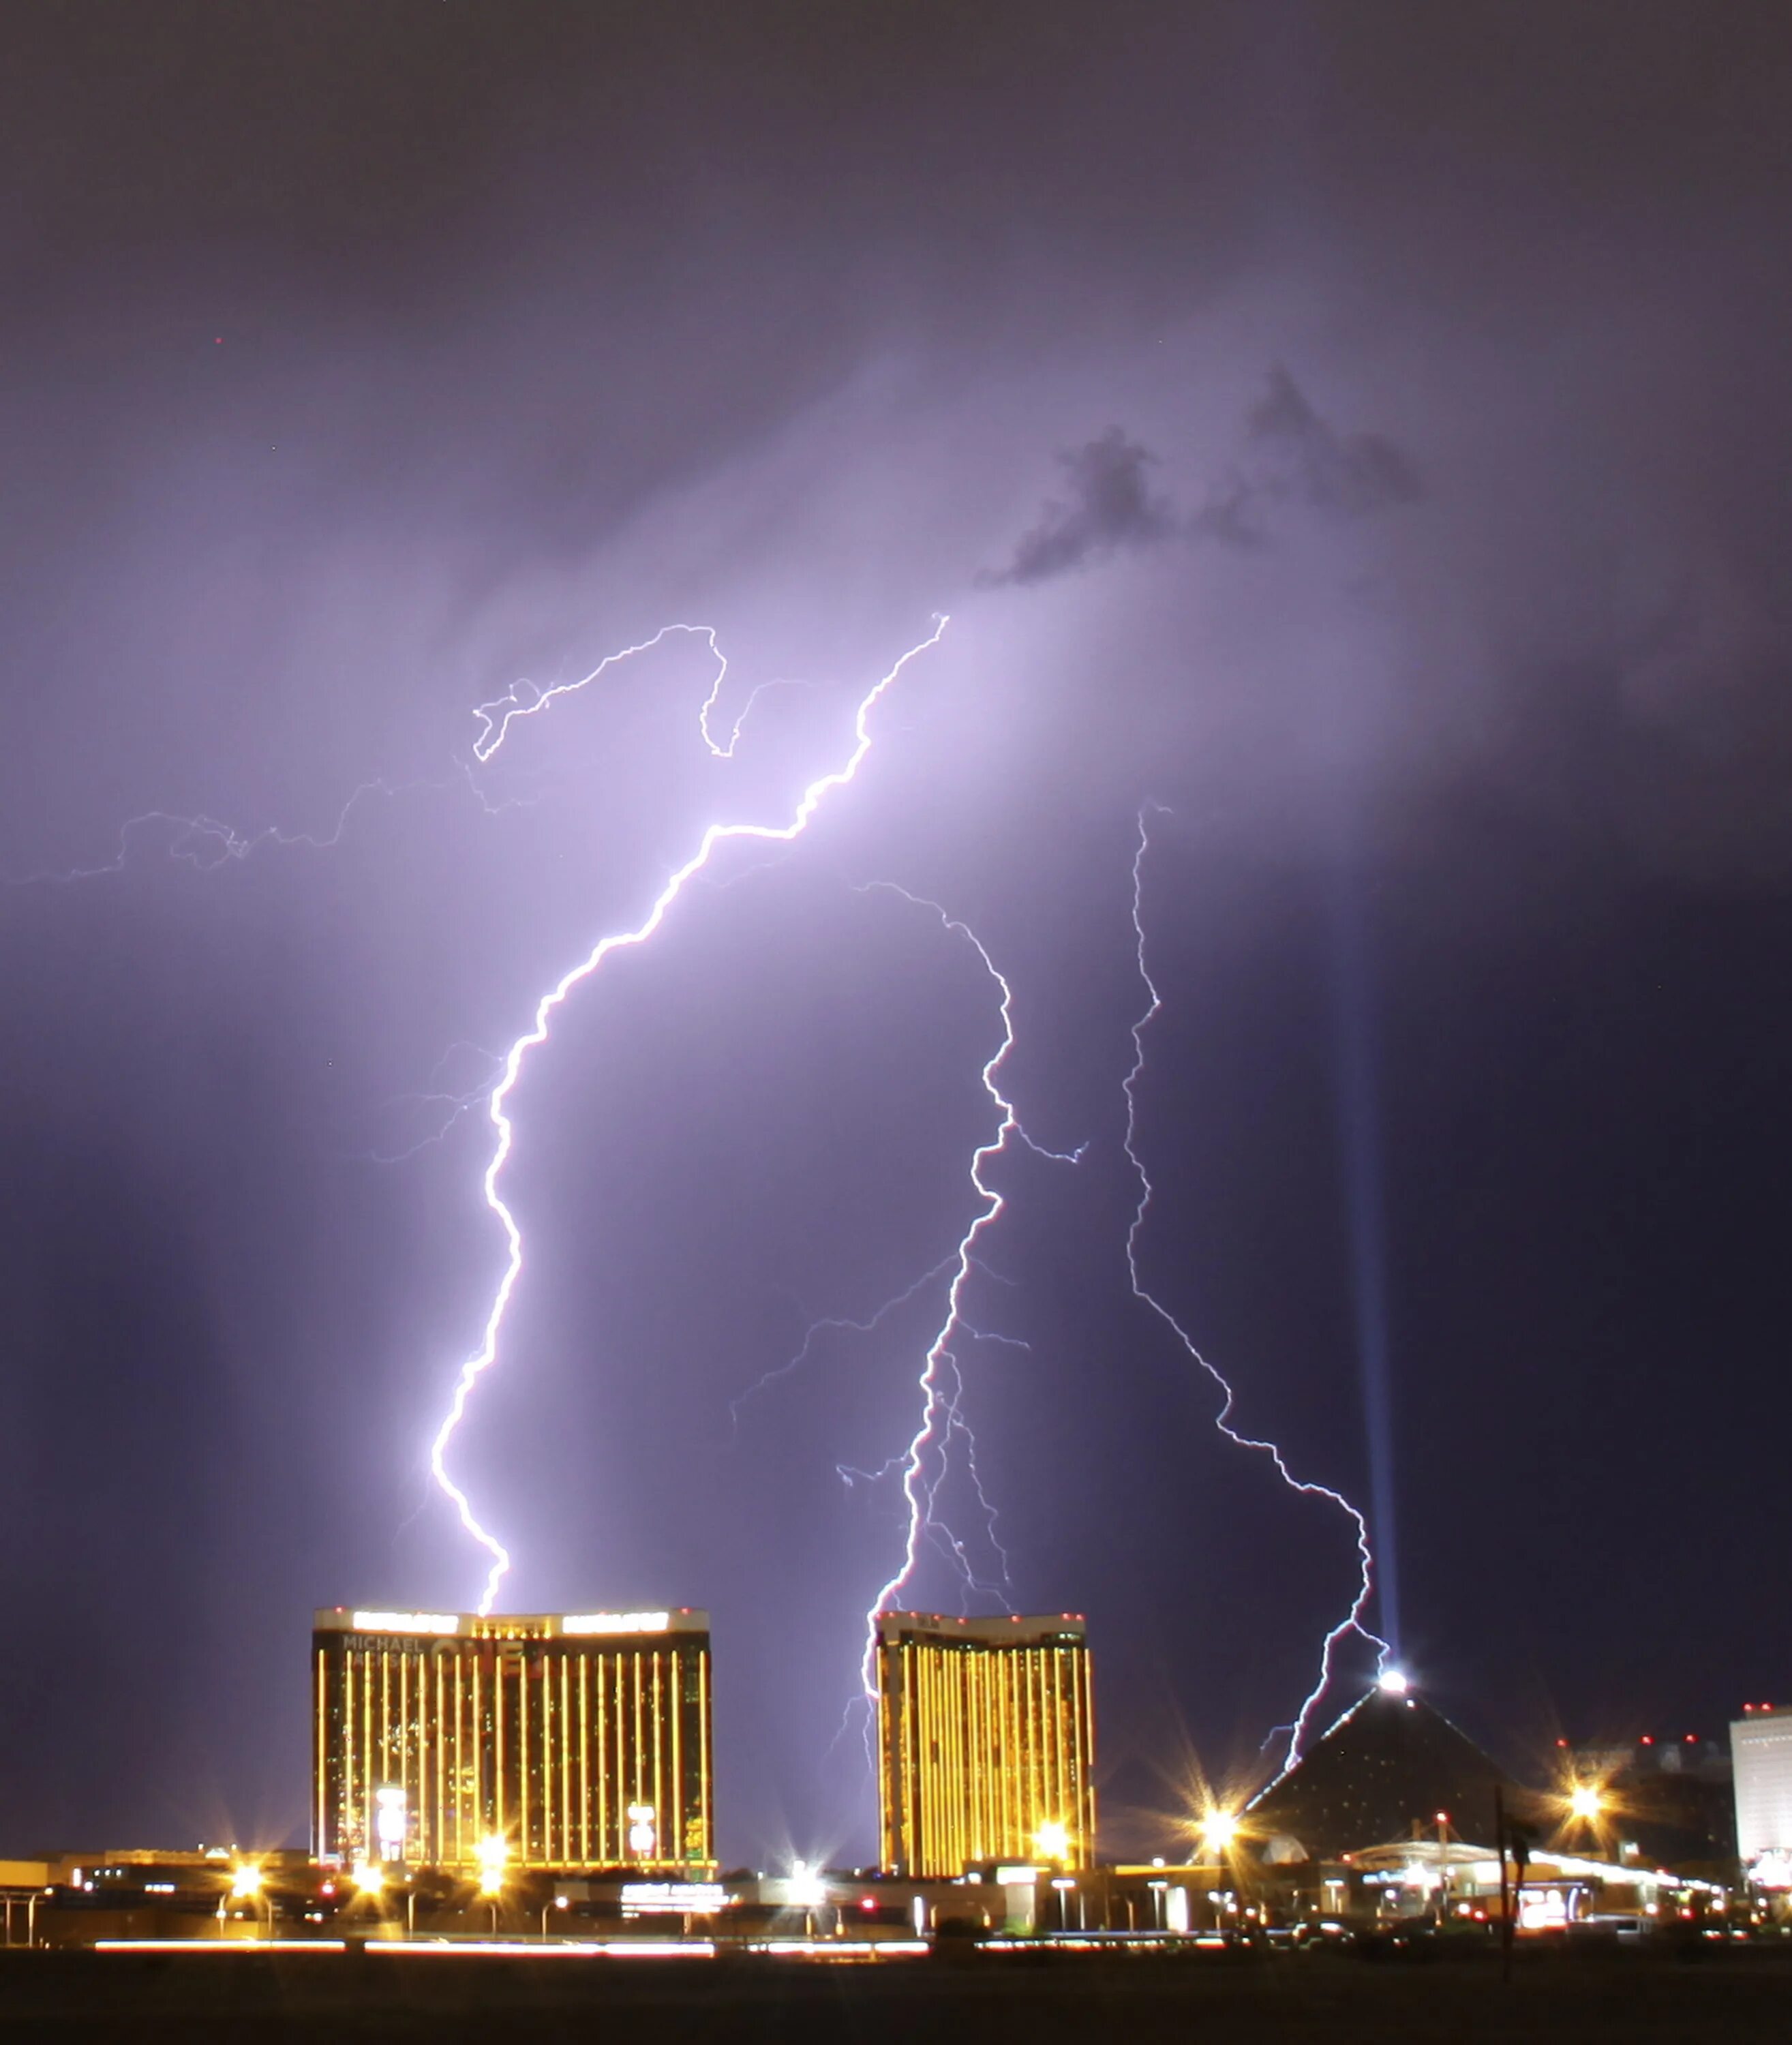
1585,1803
491,1853
247,1886
368,1879
805,1890
559,1903
1219,1830
1219,1834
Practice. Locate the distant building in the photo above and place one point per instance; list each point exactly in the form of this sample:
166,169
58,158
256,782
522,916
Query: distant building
580,1740
1669,1801
1761,1750
987,1734
1386,1770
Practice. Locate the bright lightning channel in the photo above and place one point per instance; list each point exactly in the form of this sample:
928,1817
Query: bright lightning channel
1352,1621
495,720
925,1462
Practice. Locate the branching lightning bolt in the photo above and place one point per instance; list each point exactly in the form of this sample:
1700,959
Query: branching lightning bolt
496,718
924,1463
206,843
493,730
450,1106
1352,1621
833,1324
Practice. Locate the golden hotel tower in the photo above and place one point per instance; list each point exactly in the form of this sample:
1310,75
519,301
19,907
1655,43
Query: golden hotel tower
986,1729
581,1739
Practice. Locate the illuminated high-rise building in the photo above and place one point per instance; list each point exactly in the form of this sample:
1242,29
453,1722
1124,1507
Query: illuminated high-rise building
578,1739
986,1729
1761,1750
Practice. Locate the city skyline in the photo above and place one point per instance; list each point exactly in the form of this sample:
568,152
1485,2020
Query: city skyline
956,810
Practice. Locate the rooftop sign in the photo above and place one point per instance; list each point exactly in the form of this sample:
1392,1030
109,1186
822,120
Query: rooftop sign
407,1622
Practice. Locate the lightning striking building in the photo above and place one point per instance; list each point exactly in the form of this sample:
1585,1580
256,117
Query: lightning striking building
580,1740
986,1731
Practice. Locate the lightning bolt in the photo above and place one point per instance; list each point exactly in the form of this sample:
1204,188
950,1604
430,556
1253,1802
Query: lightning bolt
832,1324
1352,1621
449,1105
205,843
925,1462
496,718
495,721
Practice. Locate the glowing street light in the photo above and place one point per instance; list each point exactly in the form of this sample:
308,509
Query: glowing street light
805,1888
1052,1841
1220,1831
1585,1803
492,1853
368,1876
247,1886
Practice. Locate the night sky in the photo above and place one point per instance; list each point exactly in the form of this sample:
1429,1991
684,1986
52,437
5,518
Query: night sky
1363,432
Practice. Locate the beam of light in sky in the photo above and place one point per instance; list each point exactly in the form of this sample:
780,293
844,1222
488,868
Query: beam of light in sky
1352,1621
1359,1128
924,1464
492,732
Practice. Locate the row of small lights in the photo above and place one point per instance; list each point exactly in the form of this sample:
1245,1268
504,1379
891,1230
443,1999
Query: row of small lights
1218,1829
248,1880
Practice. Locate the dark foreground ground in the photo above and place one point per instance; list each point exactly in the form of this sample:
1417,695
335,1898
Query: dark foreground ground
1035,1999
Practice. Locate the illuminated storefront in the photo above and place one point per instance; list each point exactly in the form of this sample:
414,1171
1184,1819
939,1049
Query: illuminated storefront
987,1736
444,1740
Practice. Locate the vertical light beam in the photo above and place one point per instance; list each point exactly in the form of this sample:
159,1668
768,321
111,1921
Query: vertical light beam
1359,1109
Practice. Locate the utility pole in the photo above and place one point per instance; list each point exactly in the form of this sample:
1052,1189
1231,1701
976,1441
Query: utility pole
1505,1896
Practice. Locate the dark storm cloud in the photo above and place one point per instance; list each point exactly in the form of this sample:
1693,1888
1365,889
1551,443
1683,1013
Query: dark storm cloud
1291,452
1229,516
1111,511
1305,455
